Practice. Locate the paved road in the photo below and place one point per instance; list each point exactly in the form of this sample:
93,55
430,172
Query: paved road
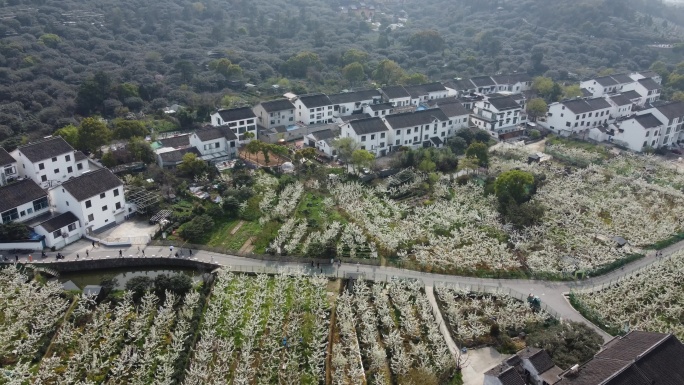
550,292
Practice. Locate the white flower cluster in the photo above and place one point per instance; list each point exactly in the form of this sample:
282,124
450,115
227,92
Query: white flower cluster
470,314
123,344
28,313
652,300
253,331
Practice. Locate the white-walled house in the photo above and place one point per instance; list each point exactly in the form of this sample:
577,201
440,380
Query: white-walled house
605,85
460,87
647,88
372,135
60,230
458,115
498,114
416,129
49,161
96,198
422,93
646,74
515,83
530,366
379,110
639,132
484,84
349,103
313,109
239,120
275,113
621,106
21,201
578,115
671,114
215,144
397,95
8,167
322,141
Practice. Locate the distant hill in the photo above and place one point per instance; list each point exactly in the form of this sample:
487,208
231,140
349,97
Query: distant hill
155,53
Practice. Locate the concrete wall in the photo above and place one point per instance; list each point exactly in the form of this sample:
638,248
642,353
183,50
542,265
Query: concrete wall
27,245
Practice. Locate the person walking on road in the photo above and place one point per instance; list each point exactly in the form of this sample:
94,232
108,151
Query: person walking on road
120,253
190,250
170,250
143,253
16,258
77,256
87,253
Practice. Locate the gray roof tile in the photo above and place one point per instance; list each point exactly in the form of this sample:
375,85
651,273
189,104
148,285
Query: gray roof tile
45,149
91,184
18,193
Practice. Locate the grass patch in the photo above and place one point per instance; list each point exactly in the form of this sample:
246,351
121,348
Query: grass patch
221,235
592,316
615,265
666,242
268,232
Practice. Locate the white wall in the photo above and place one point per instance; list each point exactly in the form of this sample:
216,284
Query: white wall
8,172
28,210
64,201
320,114
276,118
374,143
59,170
59,241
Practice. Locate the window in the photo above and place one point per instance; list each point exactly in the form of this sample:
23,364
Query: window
54,159
72,226
10,215
22,213
102,195
372,136
311,116
70,169
67,202
41,166
398,142
567,124
56,171
118,205
79,166
40,204
67,158
116,192
88,204
217,145
363,138
29,210
91,217
382,135
398,132
56,234
104,208
363,147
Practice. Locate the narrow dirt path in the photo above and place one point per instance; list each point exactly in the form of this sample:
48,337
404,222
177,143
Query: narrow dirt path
430,293
236,228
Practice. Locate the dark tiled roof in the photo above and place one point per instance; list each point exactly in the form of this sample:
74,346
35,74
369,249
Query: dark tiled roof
176,141
176,156
541,361
236,114
277,105
453,108
598,103
322,135
512,78
631,95
507,375
381,106
215,133
620,100
5,157
18,193
315,100
483,81
424,89
638,358
648,74
416,118
671,110
586,93
79,156
606,81
349,118
59,221
648,120
622,78
463,84
91,183
356,96
368,126
504,103
649,84
45,149
395,92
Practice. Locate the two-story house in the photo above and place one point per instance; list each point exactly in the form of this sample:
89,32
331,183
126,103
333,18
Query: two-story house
498,114
349,103
275,113
371,133
170,151
239,120
313,109
578,115
96,198
621,106
671,114
396,95
379,109
21,201
216,144
639,132
530,366
423,128
646,74
458,115
601,86
8,167
323,141
460,87
484,84
49,161
422,93
647,88
514,83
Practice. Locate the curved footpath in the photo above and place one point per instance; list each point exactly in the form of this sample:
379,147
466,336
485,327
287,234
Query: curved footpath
552,293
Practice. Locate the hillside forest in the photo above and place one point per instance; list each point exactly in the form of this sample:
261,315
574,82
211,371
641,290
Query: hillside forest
61,61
